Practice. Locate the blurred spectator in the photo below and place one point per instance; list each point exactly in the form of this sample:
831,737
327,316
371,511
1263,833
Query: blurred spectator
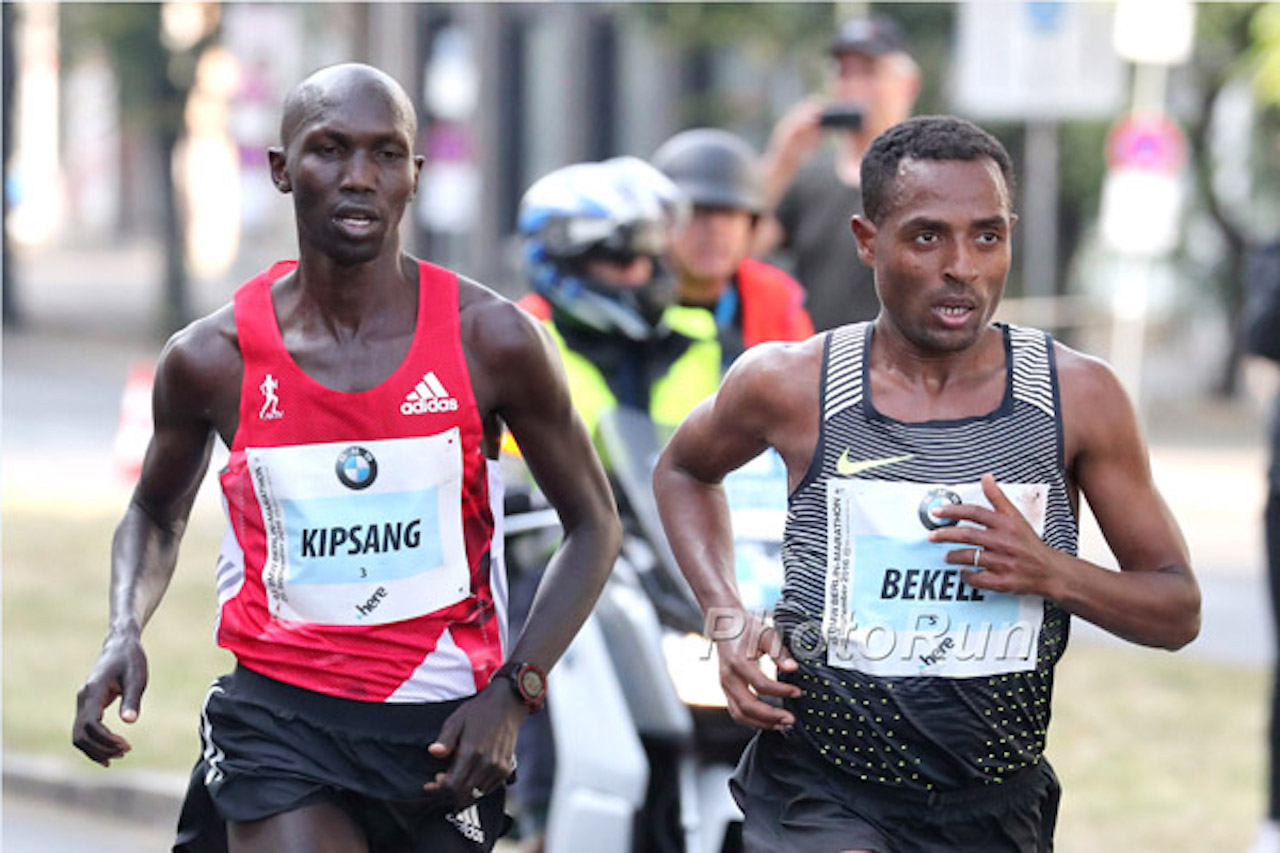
1262,337
751,301
815,192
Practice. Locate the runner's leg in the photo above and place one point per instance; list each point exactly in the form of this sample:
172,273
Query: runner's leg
316,828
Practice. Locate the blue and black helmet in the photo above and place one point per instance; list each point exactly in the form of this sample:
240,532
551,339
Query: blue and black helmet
617,210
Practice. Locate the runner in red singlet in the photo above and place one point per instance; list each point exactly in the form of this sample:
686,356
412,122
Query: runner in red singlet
362,394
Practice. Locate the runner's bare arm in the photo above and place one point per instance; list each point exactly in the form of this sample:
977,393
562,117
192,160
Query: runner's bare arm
527,389
191,381
517,376
758,405
1154,600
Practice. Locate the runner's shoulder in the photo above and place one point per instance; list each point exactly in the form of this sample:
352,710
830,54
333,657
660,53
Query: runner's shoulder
496,330
1096,409
205,353
778,367
1083,378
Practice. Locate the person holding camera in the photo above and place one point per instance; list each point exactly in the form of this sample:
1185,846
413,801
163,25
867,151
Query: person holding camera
813,190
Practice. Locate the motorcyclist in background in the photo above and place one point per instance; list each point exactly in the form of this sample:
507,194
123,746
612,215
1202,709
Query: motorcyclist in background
648,303
595,240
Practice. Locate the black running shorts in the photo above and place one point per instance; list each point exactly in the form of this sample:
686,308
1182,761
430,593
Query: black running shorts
270,747
794,801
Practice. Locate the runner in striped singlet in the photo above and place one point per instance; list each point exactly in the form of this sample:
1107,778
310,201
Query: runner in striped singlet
936,461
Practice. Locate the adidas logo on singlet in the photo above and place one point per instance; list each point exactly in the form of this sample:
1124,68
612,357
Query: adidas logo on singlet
428,396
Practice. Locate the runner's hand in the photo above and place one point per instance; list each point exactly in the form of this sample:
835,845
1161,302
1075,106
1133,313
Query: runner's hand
745,683
480,739
1013,558
120,673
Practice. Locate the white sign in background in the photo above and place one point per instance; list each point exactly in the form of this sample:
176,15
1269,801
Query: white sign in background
1036,61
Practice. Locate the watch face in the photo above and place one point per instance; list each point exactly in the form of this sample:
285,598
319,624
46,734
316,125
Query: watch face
531,684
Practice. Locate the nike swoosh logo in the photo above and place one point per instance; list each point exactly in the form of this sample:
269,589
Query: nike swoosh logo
846,467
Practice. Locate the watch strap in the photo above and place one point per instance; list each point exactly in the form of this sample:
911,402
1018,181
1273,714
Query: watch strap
528,682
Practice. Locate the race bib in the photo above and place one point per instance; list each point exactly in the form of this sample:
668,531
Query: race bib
362,533
757,495
895,607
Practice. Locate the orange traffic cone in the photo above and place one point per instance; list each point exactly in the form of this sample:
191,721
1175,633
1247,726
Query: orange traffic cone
134,431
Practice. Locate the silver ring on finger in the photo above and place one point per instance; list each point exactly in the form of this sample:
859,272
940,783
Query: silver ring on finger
977,555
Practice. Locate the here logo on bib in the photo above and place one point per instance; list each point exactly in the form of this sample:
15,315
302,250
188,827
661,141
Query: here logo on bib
894,606
362,534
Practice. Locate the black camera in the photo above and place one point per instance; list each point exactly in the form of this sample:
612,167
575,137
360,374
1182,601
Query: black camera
842,117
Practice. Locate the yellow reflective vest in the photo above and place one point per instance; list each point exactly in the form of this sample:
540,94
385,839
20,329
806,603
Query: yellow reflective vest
693,377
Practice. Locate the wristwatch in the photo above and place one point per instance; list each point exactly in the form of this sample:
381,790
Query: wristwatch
528,681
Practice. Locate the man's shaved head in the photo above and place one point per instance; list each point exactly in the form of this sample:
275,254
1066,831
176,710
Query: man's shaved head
338,83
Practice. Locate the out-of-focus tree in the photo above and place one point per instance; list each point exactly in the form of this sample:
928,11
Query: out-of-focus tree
778,35
1236,44
1265,152
767,33
155,69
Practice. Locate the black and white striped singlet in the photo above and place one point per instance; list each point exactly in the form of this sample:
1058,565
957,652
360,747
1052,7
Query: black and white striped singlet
944,715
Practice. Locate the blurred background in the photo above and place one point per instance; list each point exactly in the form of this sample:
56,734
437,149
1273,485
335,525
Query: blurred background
142,128
1146,137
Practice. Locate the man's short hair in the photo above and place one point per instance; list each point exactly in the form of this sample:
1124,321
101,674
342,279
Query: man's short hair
924,138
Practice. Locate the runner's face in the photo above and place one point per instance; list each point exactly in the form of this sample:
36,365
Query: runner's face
351,168
941,254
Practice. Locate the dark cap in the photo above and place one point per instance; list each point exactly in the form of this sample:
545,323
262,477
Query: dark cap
875,35
714,168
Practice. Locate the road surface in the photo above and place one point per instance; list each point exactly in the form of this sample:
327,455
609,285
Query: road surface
38,825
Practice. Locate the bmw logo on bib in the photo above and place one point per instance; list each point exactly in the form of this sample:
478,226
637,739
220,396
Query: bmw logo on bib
933,501
357,469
